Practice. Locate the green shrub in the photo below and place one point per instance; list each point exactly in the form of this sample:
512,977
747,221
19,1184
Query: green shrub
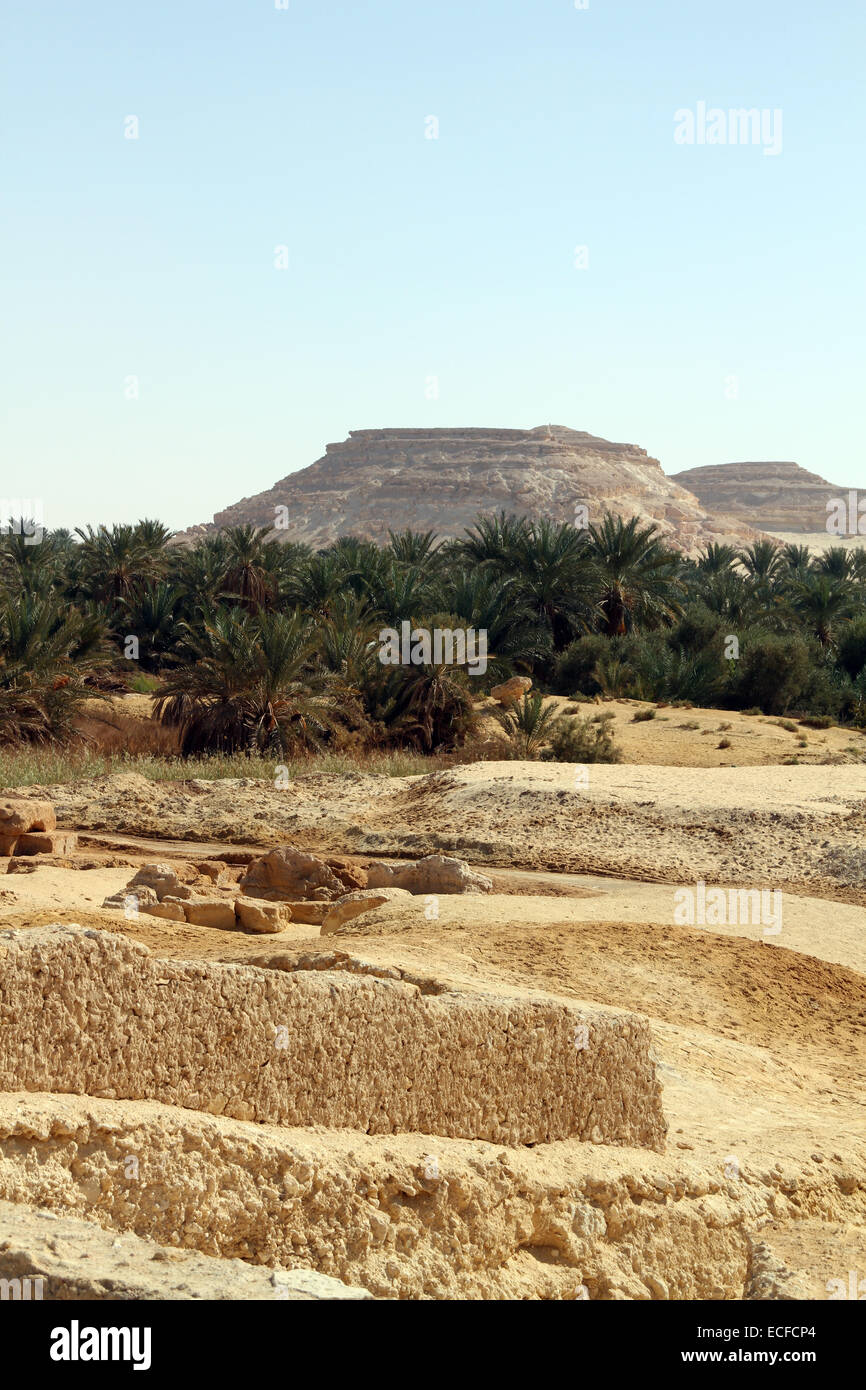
852,647
642,715
528,725
574,669
773,670
579,740
615,677
144,685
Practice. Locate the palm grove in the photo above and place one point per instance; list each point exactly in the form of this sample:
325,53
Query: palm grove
253,644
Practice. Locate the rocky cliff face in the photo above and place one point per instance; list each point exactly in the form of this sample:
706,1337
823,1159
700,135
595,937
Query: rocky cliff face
442,479
769,496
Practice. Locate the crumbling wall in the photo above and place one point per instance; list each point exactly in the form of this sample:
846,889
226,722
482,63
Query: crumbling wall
91,1013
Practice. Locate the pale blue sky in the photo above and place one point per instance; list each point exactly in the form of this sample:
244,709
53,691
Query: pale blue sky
411,257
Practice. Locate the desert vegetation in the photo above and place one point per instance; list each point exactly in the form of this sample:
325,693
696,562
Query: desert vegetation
260,647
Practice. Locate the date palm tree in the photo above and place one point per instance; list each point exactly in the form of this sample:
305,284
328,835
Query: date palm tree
112,562
251,566
493,540
555,578
637,575
716,558
528,724
821,602
47,650
249,683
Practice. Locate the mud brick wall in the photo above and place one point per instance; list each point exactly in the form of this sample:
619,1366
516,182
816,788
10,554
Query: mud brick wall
89,1013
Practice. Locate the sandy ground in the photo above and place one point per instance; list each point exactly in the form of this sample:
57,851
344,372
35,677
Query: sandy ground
693,737
800,828
817,540
760,1037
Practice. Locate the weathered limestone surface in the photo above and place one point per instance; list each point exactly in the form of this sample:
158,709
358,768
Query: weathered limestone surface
262,916
512,691
441,479
18,814
30,827
87,1012
437,873
355,904
287,874
63,1258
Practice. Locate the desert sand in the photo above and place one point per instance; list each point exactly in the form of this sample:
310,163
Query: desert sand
758,1036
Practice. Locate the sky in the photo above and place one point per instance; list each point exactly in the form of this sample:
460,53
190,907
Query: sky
428,171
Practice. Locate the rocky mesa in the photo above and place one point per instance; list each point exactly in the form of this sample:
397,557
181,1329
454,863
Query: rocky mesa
775,496
442,479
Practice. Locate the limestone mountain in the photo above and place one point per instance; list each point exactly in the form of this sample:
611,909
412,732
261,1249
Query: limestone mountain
777,496
442,479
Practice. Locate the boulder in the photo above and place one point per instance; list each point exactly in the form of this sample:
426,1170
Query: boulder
262,916
351,875
139,897
308,914
210,912
363,900
216,871
512,691
170,908
19,814
162,878
438,873
47,842
288,874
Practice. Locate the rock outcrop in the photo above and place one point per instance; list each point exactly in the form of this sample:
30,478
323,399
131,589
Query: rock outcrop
408,1217
287,875
363,900
90,1013
437,873
767,496
442,479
